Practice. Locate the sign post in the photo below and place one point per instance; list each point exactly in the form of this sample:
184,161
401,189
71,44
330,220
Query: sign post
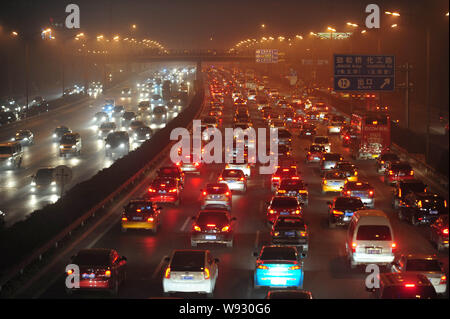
364,72
62,175
266,56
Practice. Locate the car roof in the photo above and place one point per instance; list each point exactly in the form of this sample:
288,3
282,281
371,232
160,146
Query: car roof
421,256
399,279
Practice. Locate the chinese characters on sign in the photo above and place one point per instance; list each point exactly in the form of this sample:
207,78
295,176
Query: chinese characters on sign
266,56
364,72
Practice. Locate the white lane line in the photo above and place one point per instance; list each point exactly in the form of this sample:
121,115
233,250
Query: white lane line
158,269
256,240
185,224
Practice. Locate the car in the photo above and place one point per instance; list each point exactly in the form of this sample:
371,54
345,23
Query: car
323,140
105,128
329,161
2,219
295,188
43,181
424,264
60,131
11,155
70,143
282,206
24,137
333,181
190,270
363,190
212,226
187,165
291,231
244,167
164,190
404,286
141,134
234,178
117,142
289,294
140,214
349,169
284,137
278,266
100,269
118,111
341,210
422,208
314,153
384,159
159,115
307,130
439,232
216,195
335,126
126,92
144,108
398,171
370,239
126,119
403,188
171,172
100,117
281,174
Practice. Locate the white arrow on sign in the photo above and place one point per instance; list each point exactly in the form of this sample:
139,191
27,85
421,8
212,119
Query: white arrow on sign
387,81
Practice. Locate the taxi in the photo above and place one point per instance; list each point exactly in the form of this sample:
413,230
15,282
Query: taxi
333,181
140,214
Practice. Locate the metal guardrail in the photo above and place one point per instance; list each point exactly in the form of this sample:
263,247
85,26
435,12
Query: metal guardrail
66,232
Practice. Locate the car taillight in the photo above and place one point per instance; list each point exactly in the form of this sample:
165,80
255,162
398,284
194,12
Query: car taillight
226,228
295,267
275,178
262,267
242,179
295,177
410,285
297,211
411,173
70,271
151,190
391,172
303,233
227,193
167,273
347,137
393,246
354,246
271,211
204,193
124,219
337,212
173,190
196,164
443,280
197,228
178,163
108,273
150,219
206,273
220,179
371,193
445,231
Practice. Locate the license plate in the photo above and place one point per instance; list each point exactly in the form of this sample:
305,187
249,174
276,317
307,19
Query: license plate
284,213
216,196
289,233
187,277
137,218
307,133
209,237
348,213
373,251
278,281
162,192
434,212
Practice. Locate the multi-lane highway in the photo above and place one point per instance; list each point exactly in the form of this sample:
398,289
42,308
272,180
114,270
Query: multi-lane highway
327,271
17,201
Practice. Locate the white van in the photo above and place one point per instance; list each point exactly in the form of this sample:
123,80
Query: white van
370,239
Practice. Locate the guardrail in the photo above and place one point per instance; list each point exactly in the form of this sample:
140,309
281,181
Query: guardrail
439,181
18,270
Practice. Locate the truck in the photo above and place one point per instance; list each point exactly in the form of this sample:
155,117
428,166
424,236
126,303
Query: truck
373,130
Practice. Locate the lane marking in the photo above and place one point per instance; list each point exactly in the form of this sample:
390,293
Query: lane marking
158,268
185,224
256,240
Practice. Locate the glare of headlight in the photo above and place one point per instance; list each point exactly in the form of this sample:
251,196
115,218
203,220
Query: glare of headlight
53,183
33,183
61,146
107,146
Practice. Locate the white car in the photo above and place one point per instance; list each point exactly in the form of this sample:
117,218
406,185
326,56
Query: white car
191,271
427,265
244,167
235,179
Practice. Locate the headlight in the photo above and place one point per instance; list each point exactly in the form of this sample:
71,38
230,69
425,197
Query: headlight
122,145
147,135
61,146
107,146
54,135
33,183
74,146
53,183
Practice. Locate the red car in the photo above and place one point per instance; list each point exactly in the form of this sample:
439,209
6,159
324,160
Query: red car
164,190
171,172
100,269
282,174
283,206
397,172
314,153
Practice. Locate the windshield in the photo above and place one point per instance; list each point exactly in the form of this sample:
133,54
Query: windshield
232,173
321,140
284,202
212,218
44,174
216,188
374,232
68,139
423,265
278,253
290,222
343,203
109,125
92,258
188,261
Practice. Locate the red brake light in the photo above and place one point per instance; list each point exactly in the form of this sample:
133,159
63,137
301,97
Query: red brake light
151,190
204,193
220,179
197,228
167,274
445,231
371,193
391,172
295,177
196,164
394,246
150,219
271,211
410,285
108,273
263,267
227,193
354,247
443,280
206,273
226,228
211,225
124,219
242,178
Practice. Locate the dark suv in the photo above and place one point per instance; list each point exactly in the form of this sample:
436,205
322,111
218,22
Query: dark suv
404,286
404,188
422,208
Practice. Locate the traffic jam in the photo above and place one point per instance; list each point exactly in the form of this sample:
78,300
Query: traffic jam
339,197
